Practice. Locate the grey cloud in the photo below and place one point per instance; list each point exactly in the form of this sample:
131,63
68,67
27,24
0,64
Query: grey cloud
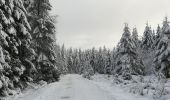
88,23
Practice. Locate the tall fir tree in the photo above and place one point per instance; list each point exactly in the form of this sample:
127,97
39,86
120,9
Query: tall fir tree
64,59
16,55
162,58
153,38
43,28
108,63
81,57
70,61
88,70
158,35
76,62
100,61
135,37
128,62
147,40
93,59
43,33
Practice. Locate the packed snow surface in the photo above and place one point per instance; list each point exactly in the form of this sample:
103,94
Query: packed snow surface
75,87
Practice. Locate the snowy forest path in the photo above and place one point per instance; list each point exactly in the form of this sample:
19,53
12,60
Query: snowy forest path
70,87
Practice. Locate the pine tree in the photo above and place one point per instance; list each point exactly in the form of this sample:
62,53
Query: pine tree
147,40
128,62
158,35
147,49
43,28
64,60
108,63
88,70
93,59
161,60
61,60
113,59
76,62
100,61
153,37
82,60
16,54
43,33
70,61
135,37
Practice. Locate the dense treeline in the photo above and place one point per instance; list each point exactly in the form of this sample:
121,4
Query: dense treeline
27,40
132,56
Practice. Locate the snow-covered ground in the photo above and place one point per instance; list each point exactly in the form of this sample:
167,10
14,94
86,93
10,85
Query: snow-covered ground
75,87
106,83
139,88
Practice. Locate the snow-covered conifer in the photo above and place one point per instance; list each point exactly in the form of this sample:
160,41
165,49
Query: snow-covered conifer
108,63
135,36
147,40
158,35
162,58
16,54
127,59
70,61
100,61
43,33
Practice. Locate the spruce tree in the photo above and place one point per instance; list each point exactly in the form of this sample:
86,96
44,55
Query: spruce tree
76,62
135,37
88,70
153,37
43,28
128,62
16,67
61,61
93,59
43,33
100,61
70,61
158,35
113,59
108,63
147,40
64,59
82,60
162,58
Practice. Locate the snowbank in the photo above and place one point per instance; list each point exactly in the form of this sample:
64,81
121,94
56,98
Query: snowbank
139,88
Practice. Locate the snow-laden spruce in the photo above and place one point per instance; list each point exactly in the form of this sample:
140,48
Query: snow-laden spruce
43,42
135,37
162,58
127,60
158,35
26,34
61,59
16,55
147,39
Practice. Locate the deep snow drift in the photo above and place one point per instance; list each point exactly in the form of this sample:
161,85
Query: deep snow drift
75,87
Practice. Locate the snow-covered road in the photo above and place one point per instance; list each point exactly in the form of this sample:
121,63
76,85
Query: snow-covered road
75,87
71,87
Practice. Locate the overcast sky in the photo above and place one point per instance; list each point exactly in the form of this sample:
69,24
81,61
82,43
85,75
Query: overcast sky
93,23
